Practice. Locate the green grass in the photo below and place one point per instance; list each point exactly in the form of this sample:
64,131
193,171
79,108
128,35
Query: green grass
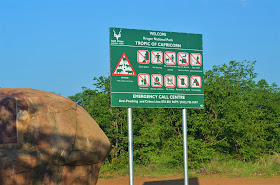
140,171
266,166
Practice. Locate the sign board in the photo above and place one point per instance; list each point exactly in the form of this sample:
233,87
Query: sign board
156,69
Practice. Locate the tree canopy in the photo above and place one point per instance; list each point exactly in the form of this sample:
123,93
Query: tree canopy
240,119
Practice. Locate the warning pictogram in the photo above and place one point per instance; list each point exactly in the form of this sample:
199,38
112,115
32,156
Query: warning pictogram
170,58
182,81
169,81
143,56
196,59
196,82
156,80
157,57
124,67
144,80
183,58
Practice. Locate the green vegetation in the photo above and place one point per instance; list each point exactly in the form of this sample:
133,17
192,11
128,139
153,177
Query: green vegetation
266,166
219,166
240,122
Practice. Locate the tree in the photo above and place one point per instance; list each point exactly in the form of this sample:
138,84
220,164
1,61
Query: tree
241,118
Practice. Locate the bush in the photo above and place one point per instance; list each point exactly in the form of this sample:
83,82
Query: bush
241,119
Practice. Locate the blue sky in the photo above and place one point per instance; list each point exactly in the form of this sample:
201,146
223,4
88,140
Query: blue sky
59,46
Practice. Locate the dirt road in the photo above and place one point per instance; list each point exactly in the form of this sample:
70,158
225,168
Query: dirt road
192,181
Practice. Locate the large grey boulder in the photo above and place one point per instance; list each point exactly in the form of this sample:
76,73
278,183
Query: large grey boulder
47,139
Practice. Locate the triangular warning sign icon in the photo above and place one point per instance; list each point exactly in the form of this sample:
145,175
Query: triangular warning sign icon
124,67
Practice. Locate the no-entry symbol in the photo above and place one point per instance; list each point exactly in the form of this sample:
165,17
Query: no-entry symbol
196,82
182,81
169,81
183,58
196,59
157,80
157,57
170,58
144,80
143,56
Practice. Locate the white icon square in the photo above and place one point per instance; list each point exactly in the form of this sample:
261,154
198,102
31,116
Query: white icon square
169,81
183,58
196,59
182,81
156,57
144,80
143,56
170,58
195,82
156,80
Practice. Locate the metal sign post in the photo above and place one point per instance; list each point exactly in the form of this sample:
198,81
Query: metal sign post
130,145
185,145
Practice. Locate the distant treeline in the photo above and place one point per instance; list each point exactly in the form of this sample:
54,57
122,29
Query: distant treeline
241,119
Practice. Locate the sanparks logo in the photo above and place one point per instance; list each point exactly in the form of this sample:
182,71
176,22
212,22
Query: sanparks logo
117,34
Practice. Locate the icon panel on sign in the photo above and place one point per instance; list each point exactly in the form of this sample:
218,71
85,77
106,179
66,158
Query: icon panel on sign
157,57
169,81
182,81
183,58
170,58
196,59
143,56
157,80
195,81
144,80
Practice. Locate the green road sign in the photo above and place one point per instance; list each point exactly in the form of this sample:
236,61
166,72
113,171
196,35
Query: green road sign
156,69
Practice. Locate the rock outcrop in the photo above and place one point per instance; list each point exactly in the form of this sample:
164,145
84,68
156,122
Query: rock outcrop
48,139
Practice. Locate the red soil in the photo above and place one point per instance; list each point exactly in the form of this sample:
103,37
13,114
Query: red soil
192,181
